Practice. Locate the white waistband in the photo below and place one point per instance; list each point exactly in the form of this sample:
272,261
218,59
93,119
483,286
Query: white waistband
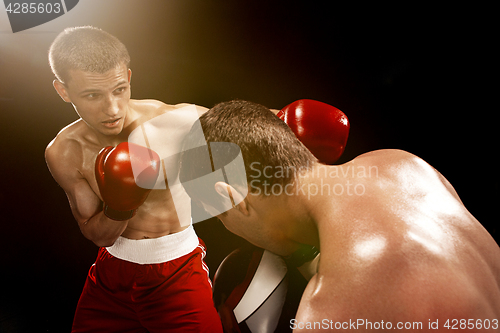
155,250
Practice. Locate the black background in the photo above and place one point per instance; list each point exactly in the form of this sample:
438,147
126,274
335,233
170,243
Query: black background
408,77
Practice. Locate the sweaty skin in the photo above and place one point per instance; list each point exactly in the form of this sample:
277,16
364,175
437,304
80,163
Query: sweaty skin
108,116
396,243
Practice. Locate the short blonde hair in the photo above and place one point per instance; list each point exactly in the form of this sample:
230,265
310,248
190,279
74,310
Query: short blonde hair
88,49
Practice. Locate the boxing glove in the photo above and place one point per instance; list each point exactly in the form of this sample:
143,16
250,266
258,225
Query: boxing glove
322,128
114,171
256,291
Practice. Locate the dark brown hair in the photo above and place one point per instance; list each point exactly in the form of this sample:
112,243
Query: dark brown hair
264,141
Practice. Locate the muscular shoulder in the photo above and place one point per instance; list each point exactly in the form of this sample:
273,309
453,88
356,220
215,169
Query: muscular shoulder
401,167
64,153
148,105
387,157
154,107
67,140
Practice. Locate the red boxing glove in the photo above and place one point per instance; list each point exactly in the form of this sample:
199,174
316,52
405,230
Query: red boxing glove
115,178
322,128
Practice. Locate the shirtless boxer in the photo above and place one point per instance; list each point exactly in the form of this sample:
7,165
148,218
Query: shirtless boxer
397,244
149,275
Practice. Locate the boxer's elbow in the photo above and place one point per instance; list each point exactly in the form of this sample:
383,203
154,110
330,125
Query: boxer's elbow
102,241
101,238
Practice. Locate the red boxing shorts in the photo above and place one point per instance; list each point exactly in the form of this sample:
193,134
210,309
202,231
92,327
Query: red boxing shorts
150,285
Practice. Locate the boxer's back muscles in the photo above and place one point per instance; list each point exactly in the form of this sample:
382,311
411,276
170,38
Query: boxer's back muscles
405,250
71,159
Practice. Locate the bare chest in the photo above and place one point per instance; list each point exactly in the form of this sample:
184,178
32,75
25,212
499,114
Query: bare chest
157,216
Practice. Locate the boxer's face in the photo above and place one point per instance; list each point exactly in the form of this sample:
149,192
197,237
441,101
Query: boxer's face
101,100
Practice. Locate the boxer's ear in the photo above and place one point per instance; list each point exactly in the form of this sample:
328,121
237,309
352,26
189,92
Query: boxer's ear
234,196
61,90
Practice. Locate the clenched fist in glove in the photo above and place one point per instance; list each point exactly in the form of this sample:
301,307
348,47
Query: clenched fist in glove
322,128
115,178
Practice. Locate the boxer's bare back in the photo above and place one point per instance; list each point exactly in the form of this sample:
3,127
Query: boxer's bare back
405,249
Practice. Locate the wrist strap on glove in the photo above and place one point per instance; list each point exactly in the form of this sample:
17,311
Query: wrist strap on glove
118,215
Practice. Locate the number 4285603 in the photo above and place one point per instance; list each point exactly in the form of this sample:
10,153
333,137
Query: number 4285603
33,7
471,324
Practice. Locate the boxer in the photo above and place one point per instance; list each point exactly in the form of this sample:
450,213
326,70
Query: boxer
149,275
246,295
397,244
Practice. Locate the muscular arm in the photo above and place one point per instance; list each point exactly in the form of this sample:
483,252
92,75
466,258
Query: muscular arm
63,159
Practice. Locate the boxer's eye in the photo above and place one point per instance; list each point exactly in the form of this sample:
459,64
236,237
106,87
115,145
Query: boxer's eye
92,96
120,90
